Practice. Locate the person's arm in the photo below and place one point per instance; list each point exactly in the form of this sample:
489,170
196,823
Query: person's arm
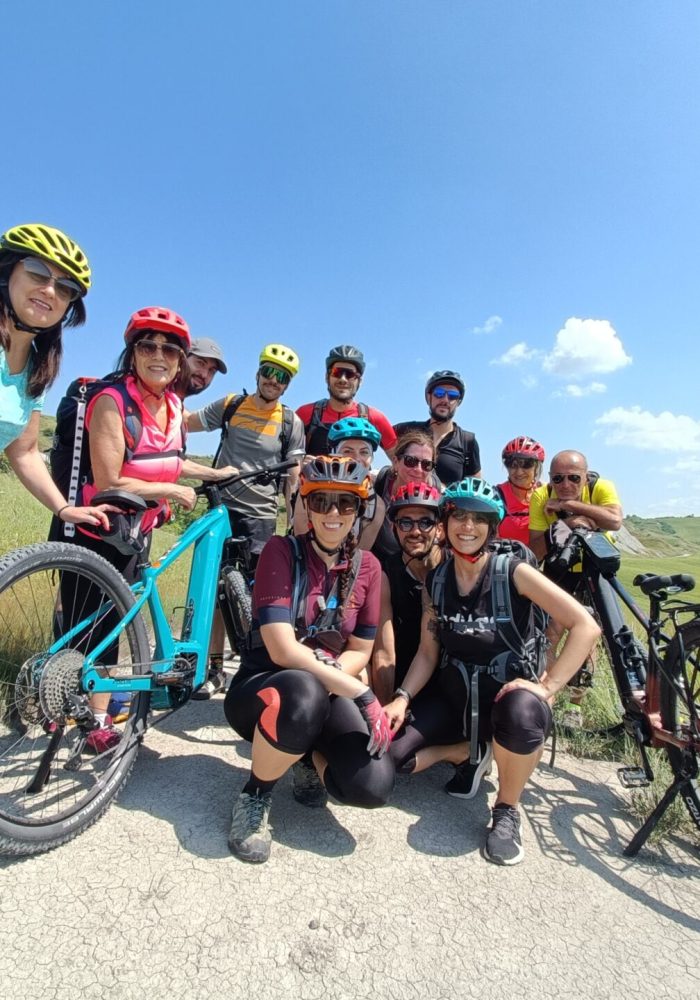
370,529
107,458
289,488
422,666
538,522
383,668
26,461
193,470
582,631
587,515
194,421
381,422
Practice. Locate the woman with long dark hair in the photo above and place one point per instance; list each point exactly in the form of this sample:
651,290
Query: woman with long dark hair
300,695
44,277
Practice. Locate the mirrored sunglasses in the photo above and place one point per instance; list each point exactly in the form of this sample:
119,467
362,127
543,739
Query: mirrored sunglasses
321,503
409,523
40,274
513,462
412,462
150,348
347,373
451,394
278,374
573,477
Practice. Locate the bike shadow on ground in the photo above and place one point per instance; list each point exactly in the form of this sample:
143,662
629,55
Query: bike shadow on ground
579,821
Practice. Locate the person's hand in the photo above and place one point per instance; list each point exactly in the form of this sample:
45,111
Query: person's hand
380,734
226,472
553,506
88,515
520,682
184,495
579,521
396,712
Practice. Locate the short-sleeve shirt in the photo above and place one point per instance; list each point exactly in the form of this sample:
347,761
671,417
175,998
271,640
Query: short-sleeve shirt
252,439
457,454
16,407
329,416
272,594
603,494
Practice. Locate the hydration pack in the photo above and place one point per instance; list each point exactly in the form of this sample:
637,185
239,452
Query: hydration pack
316,422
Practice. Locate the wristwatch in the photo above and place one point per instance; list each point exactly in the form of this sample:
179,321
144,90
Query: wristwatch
403,693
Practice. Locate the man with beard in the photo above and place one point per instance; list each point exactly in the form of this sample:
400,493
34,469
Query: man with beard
204,359
258,430
345,366
457,449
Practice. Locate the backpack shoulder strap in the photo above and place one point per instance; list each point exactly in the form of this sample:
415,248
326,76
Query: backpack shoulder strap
233,401
297,607
437,589
316,414
286,432
363,411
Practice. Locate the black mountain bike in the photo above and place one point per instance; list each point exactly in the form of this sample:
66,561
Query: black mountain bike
657,683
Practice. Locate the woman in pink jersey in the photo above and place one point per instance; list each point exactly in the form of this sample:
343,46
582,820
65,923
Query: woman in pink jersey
148,464
523,458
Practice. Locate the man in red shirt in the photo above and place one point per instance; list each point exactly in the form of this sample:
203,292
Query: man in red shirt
345,366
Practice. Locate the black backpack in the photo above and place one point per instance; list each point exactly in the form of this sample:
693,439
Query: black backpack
229,410
315,423
69,457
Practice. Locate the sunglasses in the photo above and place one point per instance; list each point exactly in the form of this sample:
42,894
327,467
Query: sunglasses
409,523
347,373
520,463
459,514
278,374
321,503
573,477
150,348
412,462
40,274
451,394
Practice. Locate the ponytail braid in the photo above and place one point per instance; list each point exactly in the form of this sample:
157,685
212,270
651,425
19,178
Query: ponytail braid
348,551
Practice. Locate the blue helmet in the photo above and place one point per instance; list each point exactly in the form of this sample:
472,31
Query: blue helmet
473,494
355,428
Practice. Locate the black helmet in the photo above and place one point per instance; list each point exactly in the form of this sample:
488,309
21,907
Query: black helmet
346,352
445,377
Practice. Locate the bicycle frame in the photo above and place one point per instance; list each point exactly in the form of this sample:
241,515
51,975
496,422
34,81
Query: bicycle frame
208,535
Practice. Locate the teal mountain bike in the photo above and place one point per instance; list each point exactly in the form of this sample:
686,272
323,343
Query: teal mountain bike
71,627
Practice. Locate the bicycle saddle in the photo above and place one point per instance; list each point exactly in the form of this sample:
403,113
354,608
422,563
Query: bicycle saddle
125,501
649,583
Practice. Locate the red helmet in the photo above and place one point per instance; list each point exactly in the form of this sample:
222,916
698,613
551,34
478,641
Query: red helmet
523,447
160,320
414,495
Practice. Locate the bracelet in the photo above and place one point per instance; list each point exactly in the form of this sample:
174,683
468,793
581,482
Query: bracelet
403,693
323,657
59,512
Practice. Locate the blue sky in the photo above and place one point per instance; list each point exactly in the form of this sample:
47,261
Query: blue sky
504,188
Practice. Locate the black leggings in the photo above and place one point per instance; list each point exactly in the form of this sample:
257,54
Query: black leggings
295,714
520,722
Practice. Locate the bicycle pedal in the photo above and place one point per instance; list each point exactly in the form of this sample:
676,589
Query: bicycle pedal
633,777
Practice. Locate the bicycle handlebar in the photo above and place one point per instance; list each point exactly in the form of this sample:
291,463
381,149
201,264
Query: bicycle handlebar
266,472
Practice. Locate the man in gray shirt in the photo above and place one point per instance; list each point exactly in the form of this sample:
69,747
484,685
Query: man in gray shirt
258,430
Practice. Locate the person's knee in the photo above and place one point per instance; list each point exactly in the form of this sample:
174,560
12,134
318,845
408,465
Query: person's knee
521,721
368,787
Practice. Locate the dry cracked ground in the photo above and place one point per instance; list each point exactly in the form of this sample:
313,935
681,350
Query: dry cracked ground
395,903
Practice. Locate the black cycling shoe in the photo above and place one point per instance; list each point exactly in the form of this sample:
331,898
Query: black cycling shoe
467,777
215,682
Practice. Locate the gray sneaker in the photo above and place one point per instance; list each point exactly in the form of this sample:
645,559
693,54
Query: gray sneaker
307,787
250,836
503,842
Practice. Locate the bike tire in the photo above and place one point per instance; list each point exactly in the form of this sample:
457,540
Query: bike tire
675,713
239,602
43,803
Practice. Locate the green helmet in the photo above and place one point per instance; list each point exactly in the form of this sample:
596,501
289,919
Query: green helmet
473,494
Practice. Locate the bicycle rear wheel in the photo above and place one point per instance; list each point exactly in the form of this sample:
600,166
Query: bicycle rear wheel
679,696
57,602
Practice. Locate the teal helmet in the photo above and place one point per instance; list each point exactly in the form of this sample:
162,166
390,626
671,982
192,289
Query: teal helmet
355,428
473,494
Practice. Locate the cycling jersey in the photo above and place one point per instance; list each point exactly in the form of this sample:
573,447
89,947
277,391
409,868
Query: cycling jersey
318,440
603,494
16,407
157,456
516,523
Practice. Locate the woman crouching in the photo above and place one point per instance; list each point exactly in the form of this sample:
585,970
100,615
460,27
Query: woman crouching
299,694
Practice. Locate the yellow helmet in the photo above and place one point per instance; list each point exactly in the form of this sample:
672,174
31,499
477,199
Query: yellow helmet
51,244
278,354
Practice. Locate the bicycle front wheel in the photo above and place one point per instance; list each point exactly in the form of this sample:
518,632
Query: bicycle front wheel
57,602
679,696
239,603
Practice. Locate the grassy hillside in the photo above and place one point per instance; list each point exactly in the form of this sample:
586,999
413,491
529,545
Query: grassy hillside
667,536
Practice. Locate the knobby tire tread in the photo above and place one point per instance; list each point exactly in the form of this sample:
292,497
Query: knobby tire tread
671,713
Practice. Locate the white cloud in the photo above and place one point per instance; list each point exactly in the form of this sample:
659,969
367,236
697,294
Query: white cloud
529,381
577,391
490,326
637,428
586,347
515,355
